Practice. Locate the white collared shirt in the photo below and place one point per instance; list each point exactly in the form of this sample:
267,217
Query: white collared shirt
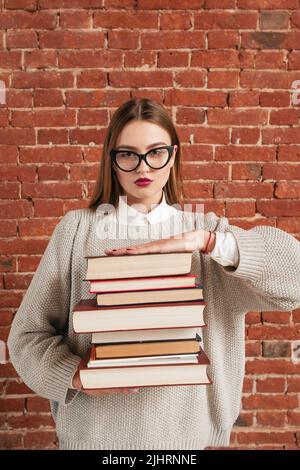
225,251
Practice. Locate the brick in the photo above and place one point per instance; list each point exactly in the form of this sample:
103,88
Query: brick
232,153
52,172
165,59
15,209
59,190
274,366
90,58
190,116
172,20
168,4
6,318
253,349
148,59
48,208
190,78
284,117
52,136
270,60
99,98
75,19
243,98
240,190
276,317
70,4
22,247
40,440
281,136
273,332
43,79
276,99
8,154
270,385
278,349
11,404
194,98
279,171
71,40
27,20
279,208
270,402
40,59
244,420
290,153
10,440
30,422
214,58
123,40
92,117
44,118
35,228
48,98
17,388
293,384
237,117
7,264
267,4
135,19
84,172
274,20
293,418
245,136
288,190
273,80
50,154
225,20
222,39
28,263
140,79
266,437
17,281
37,404
173,40
228,79
30,5
272,419
21,39
193,172
263,40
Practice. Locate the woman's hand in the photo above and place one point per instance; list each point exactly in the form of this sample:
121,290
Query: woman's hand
194,240
97,393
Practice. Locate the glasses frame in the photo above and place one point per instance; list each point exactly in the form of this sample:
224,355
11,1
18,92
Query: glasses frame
142,156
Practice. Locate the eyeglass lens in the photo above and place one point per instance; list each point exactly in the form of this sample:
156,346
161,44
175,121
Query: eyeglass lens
128,160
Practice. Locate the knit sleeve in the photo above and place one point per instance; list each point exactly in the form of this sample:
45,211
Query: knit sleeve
267,276
37,340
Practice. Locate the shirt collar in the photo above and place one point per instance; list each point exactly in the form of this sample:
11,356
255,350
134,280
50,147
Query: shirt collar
128,215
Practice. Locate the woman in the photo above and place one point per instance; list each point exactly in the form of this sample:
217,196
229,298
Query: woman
241,270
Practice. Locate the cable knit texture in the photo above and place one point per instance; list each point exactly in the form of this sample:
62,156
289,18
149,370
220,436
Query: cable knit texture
45,351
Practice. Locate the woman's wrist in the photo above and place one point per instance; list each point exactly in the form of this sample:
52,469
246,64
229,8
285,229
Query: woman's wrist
209,242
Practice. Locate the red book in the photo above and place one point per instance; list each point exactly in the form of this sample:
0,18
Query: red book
178,373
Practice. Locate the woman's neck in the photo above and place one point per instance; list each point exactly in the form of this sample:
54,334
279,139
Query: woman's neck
144,204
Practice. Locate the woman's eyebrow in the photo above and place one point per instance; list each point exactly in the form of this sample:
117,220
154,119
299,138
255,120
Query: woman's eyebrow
135,148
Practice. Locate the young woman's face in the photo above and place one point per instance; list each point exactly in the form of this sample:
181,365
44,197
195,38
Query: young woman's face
141,136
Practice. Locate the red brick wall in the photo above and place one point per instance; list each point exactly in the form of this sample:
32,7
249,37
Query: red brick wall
225,70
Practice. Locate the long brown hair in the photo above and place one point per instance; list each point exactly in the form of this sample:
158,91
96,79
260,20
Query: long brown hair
107,188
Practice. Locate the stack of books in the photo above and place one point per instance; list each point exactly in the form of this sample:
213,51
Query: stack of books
145,321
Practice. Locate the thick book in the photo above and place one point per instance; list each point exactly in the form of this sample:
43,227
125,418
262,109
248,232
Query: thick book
146,348
182,373
150,296
144,283
161,334
88,317
135,265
